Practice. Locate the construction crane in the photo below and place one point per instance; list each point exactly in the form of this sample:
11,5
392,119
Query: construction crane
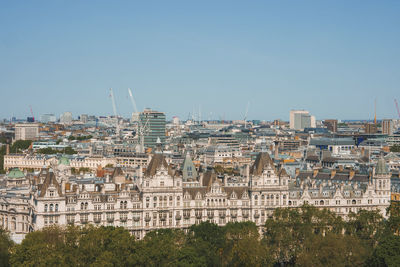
397,107
113,102
142,129
132,100
115,111
375,112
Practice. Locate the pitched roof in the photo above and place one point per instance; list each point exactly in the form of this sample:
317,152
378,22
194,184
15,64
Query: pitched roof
50,180
156,163
263,159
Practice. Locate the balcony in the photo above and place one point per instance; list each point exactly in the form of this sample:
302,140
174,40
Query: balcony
245,215
222,215
178,217
210,215
147,218
84,221
123,219
97,219
136,218
256,215
186,216
70,221
110,219
234,215
199,216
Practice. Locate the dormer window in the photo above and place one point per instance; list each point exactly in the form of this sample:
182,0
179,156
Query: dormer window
51,193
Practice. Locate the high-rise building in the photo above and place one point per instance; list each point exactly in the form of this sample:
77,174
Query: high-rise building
26,131
387,126
331,125
300,119
154,122
84,118
46,118
66,118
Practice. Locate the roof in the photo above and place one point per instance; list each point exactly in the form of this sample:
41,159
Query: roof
156,163
263,159
64,161
16,173
50,180
381,167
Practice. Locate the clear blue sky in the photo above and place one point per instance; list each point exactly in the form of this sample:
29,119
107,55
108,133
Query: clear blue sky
332,58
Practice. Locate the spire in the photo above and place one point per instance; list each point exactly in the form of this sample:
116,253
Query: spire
158,145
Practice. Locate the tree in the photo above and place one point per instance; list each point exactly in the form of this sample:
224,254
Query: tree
366,225
290,228
20,145
159,248
387,253
332,250
243,246
6,245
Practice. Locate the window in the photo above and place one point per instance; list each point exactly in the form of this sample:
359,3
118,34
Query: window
45,208
51,193
56,207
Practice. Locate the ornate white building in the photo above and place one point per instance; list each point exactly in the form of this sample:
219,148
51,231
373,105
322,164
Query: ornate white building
167,197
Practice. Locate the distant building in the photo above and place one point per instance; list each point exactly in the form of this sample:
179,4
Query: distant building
300,119
154,122
387,127
84,118
66,118
46,118
331,125
26,131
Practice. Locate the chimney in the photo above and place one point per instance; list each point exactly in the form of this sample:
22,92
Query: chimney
7,149
297,172
315,173
341,168
333,173
351,174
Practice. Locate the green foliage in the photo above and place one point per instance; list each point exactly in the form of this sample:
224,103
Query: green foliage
6,245
395,148
304,236
48,150
80,138
20,145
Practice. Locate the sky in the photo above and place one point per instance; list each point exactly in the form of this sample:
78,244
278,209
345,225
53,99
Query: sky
333,58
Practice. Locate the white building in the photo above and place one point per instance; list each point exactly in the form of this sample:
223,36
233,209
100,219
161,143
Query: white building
26,131
300,119
66,118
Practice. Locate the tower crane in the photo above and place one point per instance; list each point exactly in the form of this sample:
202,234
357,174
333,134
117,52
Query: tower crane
142,129
115,111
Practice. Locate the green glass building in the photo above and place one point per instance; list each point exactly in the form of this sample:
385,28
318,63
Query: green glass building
154,122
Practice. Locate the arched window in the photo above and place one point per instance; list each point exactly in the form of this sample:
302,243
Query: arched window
86,206
121,205
321,202
290,203
51,207
82,206
45,208
125,204
353,202
56,207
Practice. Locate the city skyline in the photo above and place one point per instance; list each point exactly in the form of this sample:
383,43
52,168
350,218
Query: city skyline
331,59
